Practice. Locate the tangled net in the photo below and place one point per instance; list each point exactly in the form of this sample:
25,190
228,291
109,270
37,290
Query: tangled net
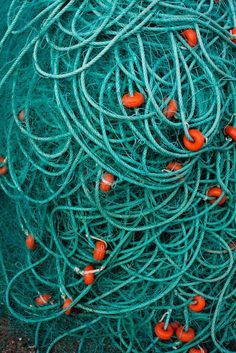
65,67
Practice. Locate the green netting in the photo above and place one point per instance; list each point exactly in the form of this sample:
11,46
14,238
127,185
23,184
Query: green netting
65,66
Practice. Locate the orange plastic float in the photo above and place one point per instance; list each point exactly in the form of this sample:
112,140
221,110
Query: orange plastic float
3,169
191,37
197,350
216,192
231,132
21,115
171,109
233,33
198,304
134,101
107,182
185,336
67,302
164,334
99,251
30,242
175,325
198,140
88,277
173,166
43,299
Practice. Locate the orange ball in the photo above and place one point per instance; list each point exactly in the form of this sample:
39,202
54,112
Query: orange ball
67,302
197,350
191,37
232,245
107,182
134,101
163,334
174,166
3,169
171,109
198,140
30,242
21,115
216,192
198,305
185,336
43,299
88,277
99,251
233,33
231,132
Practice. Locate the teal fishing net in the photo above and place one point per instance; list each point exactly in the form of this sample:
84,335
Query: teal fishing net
81,166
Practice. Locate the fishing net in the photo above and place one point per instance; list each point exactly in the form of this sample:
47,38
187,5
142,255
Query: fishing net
84,166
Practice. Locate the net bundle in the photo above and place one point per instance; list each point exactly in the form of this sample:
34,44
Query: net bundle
118,153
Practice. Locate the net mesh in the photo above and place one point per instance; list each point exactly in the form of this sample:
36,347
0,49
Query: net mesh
65,66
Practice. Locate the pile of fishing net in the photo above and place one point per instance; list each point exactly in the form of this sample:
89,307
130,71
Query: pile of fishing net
118,153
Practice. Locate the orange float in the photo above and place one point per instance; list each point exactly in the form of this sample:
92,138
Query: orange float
198,140
171,109
198,304
164,334
88,277
3,169
191,37
21,115
197,350
43,299
231,132
216,192
30,242
99,251
174,166
107,182
134,101
233,33
67,302
175,325
185,336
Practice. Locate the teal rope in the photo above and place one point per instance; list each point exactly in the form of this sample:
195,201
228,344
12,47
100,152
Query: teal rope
67,66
